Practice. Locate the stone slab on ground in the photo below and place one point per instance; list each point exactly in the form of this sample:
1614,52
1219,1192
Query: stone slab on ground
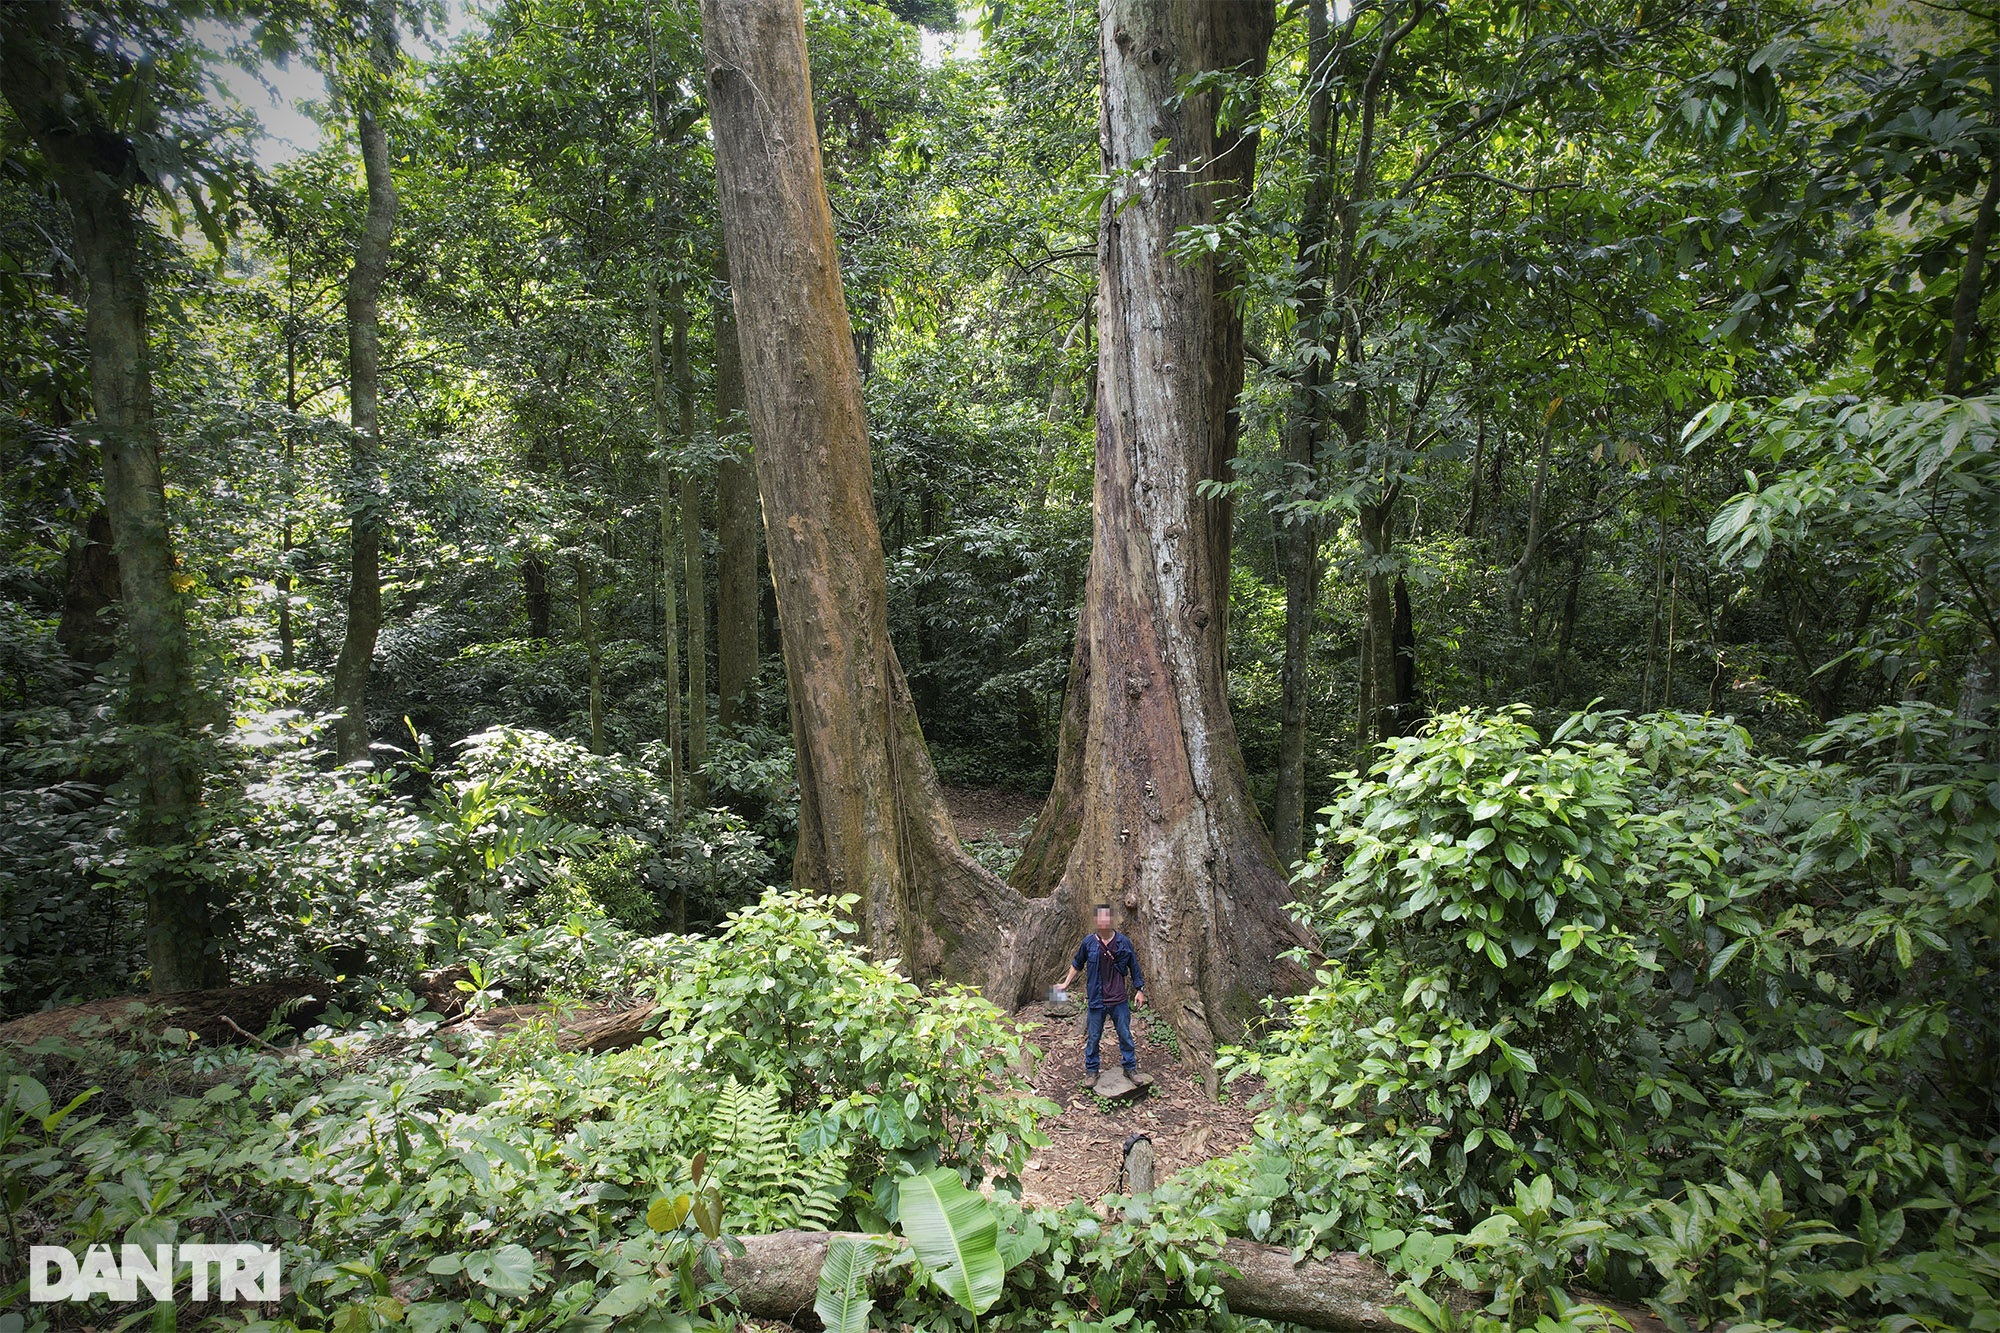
1113,1085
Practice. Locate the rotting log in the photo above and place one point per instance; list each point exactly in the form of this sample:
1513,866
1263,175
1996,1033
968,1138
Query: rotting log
777,1276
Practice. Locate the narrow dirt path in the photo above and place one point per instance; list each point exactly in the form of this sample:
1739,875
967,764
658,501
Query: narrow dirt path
1087,1140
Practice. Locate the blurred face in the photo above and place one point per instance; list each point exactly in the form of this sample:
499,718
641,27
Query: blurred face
1103,921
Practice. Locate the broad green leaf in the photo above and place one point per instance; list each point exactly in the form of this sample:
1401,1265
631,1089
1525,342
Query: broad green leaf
509,1270
953,1232
843,1302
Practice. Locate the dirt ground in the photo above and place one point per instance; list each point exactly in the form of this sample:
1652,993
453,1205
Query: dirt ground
983,813
1086,1141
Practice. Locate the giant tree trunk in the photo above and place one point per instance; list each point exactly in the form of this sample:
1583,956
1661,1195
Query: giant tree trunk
1152,801
94,167
364,501
1300,537
872,820
735,530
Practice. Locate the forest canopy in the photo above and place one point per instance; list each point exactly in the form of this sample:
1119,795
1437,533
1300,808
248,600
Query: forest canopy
580,646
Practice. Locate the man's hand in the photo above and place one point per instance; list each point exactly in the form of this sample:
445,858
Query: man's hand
1138,999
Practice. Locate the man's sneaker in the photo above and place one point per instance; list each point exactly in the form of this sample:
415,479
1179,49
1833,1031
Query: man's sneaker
1090,1079
1139,1080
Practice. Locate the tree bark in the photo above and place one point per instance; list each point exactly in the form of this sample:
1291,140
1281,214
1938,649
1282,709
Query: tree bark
88,630
1377,526
364,374
670,634
777,1277
872,820
586,628
1153,799
535,598
736,519
95,169
1300,537
696,585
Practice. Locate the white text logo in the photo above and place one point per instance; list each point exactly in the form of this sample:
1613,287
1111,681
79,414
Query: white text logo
239,1272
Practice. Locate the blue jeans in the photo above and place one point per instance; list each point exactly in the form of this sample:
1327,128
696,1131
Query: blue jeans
1093,1033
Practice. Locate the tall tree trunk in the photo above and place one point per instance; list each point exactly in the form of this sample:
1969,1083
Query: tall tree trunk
364,388
735,529
1300,537
1377,526
535,599
94,167
1154,800
670,633
697,598
586,626
872,819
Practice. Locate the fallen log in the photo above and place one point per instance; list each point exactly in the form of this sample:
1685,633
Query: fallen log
777,1276
594,1031
218,1016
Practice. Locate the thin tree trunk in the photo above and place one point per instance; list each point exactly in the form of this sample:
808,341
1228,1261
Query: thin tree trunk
872,819
670,634
586,624
88,630
94,167
1971,282
364,374
287,640
1377,529
697,601
736,522
1300,537
1659,599
535,599
1156,796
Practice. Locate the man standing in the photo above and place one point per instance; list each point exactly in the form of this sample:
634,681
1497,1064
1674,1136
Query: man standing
1108,963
